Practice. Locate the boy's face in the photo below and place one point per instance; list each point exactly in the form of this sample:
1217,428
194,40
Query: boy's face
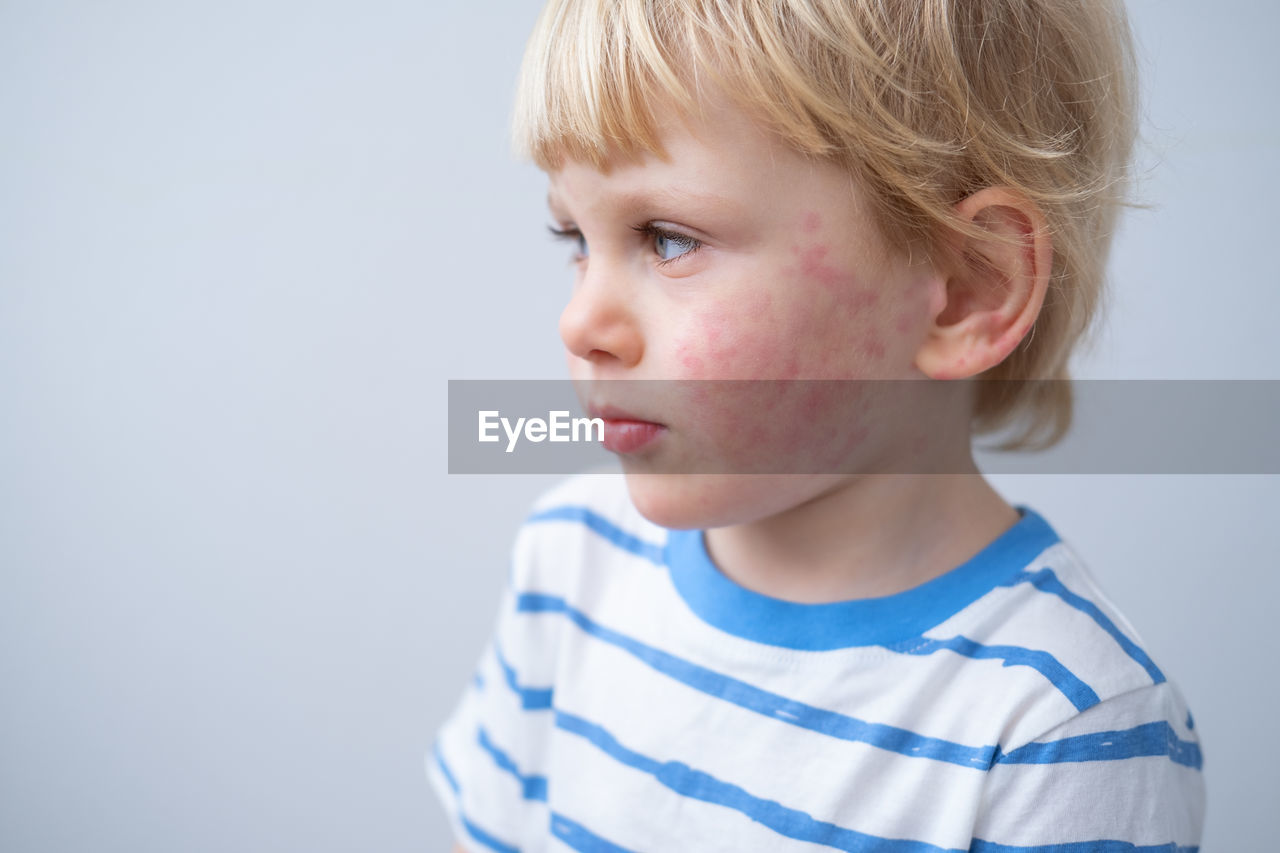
736,258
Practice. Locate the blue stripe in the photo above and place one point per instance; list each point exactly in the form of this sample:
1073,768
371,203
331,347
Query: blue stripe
772,705
474,830
444,768
1046,581
579,837
533,787
1149,739
689,782
531,698
1080,694
980,846
601,525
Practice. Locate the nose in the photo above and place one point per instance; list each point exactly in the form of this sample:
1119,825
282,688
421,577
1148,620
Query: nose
599,324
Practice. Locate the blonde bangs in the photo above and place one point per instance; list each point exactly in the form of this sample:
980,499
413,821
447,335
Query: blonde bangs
592,71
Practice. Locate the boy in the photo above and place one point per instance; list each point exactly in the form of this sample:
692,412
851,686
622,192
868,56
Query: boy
826,656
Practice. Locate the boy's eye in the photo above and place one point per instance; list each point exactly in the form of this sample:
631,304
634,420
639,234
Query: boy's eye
669,245
574,235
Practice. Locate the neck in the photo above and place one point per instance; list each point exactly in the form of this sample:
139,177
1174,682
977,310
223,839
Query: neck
867,536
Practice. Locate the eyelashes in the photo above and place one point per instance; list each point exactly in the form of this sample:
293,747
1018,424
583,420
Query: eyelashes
571,235
664,240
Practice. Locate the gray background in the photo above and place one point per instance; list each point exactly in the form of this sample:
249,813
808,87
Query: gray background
242,247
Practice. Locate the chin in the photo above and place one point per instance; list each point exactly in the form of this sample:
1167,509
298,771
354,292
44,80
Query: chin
668,501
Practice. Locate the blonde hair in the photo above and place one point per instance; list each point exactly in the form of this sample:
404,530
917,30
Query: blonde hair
923,101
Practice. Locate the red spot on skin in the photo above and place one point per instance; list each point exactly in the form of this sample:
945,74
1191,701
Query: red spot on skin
688,359
872,348
718,347
865,300
813,403
812,266
725,358
842,452
757,433
904,323
812,222
762,301
741,354
700,393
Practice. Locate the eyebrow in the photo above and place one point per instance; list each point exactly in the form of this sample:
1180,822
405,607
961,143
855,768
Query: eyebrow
665,195
553,204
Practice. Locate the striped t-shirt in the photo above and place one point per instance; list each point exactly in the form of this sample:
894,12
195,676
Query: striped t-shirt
633,698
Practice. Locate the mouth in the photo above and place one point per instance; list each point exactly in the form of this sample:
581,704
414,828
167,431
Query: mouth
625,432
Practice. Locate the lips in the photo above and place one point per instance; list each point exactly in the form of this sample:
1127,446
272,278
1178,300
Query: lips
625,432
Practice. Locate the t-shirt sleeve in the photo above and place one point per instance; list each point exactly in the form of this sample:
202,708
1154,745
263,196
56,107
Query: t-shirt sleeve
1126,771
488,761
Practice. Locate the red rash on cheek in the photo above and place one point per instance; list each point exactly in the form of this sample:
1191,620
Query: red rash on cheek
812,222
779,427
849,300
791,370
745,350
688,359
872,347
718,349
759,303
814,400
811,266
853,438
707,353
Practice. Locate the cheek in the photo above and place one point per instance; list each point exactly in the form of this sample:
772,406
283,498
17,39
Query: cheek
779,427
913,310
737,340
691,358
839,327
812,319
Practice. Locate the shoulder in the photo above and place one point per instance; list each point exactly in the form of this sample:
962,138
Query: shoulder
1057,600
1052,615
1129,767
1102,724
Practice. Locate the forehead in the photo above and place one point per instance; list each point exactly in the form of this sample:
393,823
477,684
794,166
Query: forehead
721,158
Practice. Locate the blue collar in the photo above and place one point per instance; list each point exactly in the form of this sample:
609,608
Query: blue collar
860,622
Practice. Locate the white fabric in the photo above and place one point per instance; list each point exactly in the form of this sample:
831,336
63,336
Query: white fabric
623,720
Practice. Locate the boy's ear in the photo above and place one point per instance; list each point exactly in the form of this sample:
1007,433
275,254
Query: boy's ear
991,288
